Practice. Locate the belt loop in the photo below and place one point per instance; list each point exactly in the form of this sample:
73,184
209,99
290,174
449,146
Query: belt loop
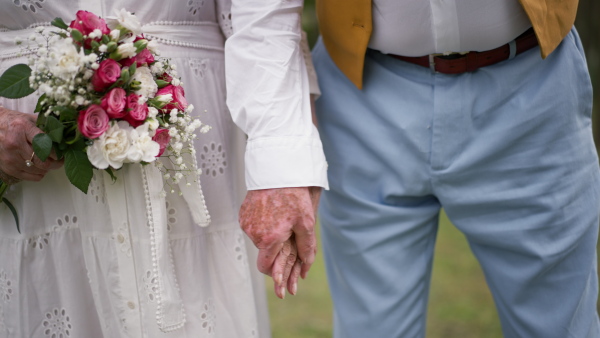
432,63
512,45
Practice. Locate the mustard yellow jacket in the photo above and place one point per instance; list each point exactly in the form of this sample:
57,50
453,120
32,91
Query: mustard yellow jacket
346,27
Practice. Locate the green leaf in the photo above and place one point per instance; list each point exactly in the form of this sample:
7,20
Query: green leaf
105,39
132,69
39,105
14,83
66,113
162,83
78,168
54,129
13,211
42,146
77,142
111,173
58,22
76,35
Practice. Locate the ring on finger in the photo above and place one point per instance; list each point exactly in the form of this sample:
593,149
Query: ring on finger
29,162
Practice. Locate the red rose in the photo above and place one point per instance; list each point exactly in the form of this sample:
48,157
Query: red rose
165,77
114,103
137,113
162,137
142,58
87,22
93,121
107,74
178,95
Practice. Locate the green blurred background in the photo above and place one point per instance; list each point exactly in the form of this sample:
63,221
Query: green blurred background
460,304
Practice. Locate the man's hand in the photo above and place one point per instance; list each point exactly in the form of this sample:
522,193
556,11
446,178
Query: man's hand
16,135
281,223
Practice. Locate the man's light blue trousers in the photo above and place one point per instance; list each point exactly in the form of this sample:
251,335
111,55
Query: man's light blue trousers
506,150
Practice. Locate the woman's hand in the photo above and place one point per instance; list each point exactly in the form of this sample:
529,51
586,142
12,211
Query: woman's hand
16,135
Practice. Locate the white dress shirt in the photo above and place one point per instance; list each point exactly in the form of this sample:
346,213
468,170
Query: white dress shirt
284,149
268,95
415,28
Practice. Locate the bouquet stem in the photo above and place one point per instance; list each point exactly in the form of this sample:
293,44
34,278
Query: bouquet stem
3,188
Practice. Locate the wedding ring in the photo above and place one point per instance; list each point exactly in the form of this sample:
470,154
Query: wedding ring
29,162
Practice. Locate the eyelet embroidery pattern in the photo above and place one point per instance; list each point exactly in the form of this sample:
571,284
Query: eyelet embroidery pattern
199,66
96,190
57,324
151,285
2,325
214,159
209,317
6,288
39,242
122,238
171,216
29,5
240,252
195,6
225,22
65,223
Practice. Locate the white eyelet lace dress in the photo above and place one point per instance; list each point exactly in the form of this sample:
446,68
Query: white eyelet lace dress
99,265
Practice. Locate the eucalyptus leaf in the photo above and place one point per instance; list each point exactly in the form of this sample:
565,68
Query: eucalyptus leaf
78,168
54,129
42,146
14,83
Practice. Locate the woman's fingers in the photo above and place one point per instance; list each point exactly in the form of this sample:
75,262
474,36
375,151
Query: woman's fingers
283,266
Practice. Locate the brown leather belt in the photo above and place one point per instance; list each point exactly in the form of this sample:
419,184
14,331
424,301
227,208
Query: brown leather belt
471,61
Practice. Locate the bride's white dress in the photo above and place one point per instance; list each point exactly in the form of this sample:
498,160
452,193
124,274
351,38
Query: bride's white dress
86,265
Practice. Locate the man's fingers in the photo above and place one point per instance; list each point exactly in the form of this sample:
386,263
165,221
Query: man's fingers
294,275
266,258
304,270
306,243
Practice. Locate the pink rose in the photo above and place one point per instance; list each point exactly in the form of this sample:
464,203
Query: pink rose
87,22
114,103
162,137
165,77
107,74
137,113
142,58
93,121
178,94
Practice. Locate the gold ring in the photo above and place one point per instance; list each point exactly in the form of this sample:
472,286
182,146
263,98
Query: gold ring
29,162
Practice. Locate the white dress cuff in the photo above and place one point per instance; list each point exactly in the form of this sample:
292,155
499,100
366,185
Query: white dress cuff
278,162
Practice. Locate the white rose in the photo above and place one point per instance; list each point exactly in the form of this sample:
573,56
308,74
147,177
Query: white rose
126,20
126,50
112,147
153,47
148,87
143,148
152,124
152,112
67,61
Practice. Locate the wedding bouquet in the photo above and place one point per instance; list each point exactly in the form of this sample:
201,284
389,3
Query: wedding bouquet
107,98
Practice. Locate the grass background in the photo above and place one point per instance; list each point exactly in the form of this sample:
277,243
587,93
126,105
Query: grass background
460,304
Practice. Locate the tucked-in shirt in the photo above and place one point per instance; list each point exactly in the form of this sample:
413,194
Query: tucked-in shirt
415,28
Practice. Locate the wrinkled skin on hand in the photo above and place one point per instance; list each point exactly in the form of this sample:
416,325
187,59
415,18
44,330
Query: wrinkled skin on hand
16,134
281,224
